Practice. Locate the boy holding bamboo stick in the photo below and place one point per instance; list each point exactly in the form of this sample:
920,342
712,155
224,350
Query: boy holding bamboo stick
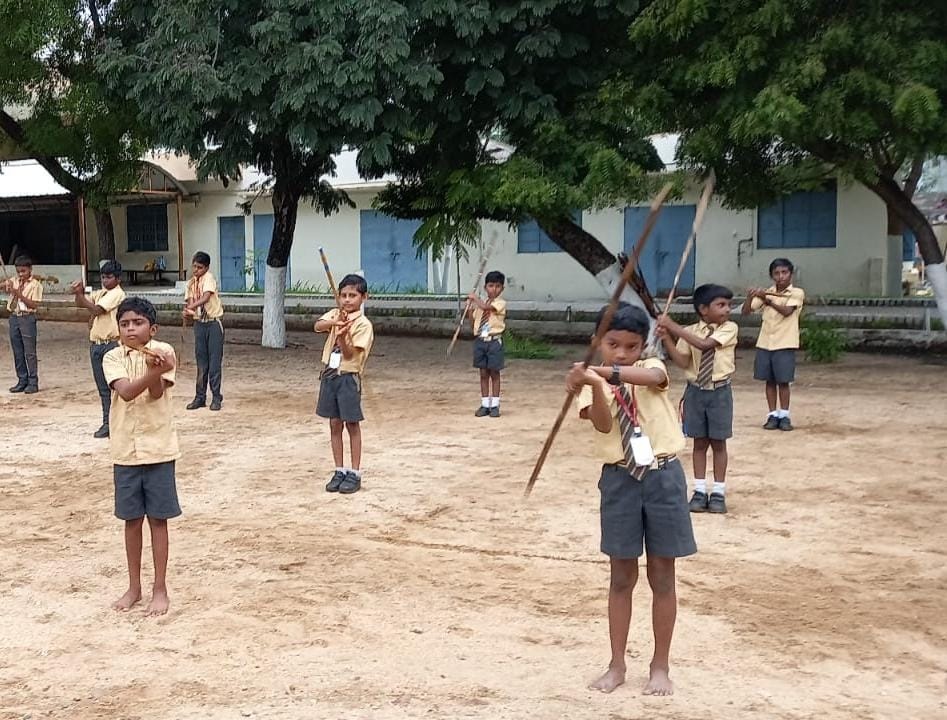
489,322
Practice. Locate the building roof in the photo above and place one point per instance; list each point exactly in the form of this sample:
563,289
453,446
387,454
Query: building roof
27,178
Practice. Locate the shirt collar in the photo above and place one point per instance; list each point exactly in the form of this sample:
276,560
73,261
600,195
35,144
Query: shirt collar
128,349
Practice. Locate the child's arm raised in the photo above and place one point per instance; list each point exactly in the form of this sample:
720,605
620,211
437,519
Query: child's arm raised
751,295
152,380
647,376
599,412
83,300
681,359
783,309
15,290
332,319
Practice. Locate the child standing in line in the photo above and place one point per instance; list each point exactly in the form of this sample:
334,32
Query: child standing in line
340,389
203,306
706,352
26,293
144,445
780,305
489,322
644,493
103,329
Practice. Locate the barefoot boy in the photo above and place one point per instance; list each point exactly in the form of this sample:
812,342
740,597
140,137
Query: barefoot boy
26,292
644,493
489,322
103,329
144,445
775,364
706,352
340,390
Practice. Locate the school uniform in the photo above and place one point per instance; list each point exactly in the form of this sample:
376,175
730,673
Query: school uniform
143,442
488,336
649,513
779,336
340,386
708,397
103,337
22,324
208,337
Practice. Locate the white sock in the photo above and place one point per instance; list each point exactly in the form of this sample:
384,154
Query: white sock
358,473
494,402
774,413
340,469
720,488
700,486
485,402
783,413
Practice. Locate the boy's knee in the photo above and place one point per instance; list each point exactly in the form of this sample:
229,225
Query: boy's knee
336,424
353,427
701,443
661,575
623,577
135,523
718,445
157,522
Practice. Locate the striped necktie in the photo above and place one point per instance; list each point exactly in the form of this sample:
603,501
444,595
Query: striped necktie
705,371
484,322
625,422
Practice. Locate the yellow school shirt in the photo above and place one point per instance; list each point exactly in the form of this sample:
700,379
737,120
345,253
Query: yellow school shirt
656,415
105,326
778,332
361,335
196,287
32,289
140,431
724,356
496,320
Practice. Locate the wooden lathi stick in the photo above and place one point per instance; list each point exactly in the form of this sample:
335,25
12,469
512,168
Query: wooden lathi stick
460,324
652,219
335,292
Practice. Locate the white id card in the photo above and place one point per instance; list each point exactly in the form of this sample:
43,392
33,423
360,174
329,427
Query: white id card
641,449
335,359
485,331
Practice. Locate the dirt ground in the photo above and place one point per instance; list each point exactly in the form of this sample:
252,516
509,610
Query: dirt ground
438,591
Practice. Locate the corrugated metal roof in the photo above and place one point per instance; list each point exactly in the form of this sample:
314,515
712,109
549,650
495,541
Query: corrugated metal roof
27,178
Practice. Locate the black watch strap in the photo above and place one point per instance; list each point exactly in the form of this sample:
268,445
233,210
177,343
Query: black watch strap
615,378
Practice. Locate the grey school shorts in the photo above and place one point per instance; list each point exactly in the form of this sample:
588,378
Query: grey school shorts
340,397
651,513
775,366
146,490
708,413
488,354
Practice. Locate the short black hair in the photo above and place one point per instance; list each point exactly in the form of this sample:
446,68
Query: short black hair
627,317
201,258
111,267
139,306
23,261
355,281
706,294
781,262
495,276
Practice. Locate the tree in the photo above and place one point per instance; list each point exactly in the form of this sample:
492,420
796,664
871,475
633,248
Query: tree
781,95
89,142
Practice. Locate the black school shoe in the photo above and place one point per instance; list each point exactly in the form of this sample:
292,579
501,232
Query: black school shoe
19,387
350,484
333,485
195,404
102,432
481,411
215,404
785,424
717,503
698,502
495,411
30,389
772,423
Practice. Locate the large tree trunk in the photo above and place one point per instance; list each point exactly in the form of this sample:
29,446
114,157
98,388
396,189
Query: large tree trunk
106,232
900,203
586,250
285,209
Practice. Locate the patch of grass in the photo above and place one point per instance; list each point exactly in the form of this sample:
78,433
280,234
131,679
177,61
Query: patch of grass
397,289
822,341
525,347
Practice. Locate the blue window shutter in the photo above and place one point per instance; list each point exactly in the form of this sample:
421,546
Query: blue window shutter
822,218
907,246
770,226
527,237
799,220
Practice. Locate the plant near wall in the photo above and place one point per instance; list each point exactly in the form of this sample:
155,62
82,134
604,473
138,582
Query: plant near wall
823,341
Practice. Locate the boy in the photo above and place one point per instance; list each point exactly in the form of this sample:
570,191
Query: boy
340,390
776,346
26,293
202,304
143,445
103,329
489,322
644,493
706,352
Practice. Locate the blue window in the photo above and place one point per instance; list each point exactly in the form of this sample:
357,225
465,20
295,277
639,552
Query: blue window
530,239
147,227
800,220
907,246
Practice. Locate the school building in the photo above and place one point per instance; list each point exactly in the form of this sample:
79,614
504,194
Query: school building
836,237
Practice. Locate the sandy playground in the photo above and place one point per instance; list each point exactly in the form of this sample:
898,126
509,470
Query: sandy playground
437,591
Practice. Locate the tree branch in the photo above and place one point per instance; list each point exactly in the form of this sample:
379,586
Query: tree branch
14,130
914,176
97,30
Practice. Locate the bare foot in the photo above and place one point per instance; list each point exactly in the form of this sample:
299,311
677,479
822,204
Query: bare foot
659,683
159,603
126,601
612,678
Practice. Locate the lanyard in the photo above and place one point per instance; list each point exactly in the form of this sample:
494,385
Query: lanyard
631,412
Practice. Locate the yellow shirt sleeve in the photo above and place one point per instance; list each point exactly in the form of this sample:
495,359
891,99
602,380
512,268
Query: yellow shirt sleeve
797,298
726,334
110,299
756,303
361,335
112,366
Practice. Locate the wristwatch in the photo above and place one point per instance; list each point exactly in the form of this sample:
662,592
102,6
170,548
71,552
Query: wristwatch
615,378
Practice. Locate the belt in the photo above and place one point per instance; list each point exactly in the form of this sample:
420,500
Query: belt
712,386
22,314
208,320
103,342
658,464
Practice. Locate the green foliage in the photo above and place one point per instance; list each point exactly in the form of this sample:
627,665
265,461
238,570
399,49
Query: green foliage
527,347
822,340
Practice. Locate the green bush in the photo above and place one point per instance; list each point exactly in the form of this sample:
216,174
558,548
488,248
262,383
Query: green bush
822,341
527,348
